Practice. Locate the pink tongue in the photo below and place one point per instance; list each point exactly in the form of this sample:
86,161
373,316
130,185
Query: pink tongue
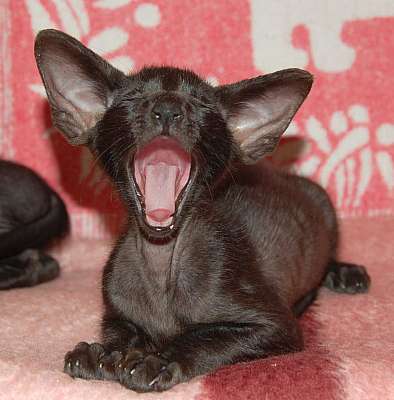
160,190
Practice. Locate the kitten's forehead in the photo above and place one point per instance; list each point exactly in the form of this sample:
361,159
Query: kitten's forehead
171,79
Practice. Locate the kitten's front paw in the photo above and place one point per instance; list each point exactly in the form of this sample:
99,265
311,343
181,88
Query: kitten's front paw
91,361
143,372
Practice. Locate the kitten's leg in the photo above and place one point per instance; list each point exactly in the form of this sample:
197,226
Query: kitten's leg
300,307
208,347
347,278
28,268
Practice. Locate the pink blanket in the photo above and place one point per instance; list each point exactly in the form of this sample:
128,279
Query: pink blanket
349,352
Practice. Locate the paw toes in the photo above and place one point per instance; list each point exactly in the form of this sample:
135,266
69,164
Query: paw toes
109,365
82,346
168,377
152,373
97,349
140,373
74,364
71,368
84,360
159,377
357,280
347,278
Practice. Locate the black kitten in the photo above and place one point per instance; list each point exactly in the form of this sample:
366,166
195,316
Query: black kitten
31,214
221,252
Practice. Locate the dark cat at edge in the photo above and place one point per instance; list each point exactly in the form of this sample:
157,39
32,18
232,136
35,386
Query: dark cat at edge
31,215
221,252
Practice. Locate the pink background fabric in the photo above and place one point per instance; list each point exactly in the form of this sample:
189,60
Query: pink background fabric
342,137
349,352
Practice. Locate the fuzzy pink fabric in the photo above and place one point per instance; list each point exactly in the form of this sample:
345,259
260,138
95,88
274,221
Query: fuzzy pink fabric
349,352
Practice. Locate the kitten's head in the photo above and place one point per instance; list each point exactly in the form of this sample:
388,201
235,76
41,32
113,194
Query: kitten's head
163,134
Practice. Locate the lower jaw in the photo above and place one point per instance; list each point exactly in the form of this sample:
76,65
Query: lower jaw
159,224
156,233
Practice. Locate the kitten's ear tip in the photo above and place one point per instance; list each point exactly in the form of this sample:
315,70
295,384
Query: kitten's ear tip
40,40
51,33
298,74
304,76
302,73
300,78
46,37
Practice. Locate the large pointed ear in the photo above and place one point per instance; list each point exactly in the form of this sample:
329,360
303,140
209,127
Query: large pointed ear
259,110
78,82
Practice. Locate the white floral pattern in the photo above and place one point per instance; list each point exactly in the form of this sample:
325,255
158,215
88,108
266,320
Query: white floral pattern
111,4
273,23
345,154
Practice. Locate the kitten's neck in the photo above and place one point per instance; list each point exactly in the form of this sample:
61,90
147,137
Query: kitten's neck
156,261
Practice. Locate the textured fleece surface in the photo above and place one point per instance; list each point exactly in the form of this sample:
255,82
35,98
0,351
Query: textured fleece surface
349,351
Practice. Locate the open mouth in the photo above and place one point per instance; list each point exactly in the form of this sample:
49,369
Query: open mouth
162,171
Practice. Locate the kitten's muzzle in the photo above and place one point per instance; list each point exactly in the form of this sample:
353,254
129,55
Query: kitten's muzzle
167,112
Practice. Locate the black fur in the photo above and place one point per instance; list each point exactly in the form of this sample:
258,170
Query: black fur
31,214
249,245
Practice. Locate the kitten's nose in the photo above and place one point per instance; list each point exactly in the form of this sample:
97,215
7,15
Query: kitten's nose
167,111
